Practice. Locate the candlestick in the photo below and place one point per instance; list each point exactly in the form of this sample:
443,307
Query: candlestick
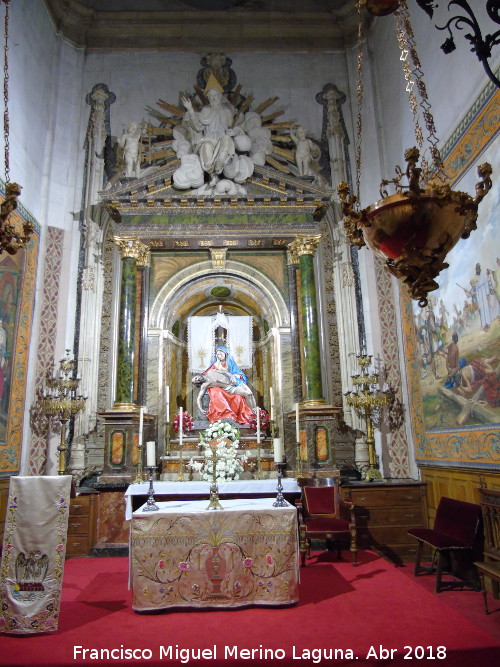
271,404
141,425
214,503
278,450
151,506
167,403
180,426
297,425
280,499
258,426
150,454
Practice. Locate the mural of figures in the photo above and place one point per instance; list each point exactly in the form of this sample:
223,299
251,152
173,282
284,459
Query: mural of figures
458,334
9,290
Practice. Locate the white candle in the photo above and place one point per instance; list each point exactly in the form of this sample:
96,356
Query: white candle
141,425
271,400
258,426
297,426
167,402
180,426
278,450
150,454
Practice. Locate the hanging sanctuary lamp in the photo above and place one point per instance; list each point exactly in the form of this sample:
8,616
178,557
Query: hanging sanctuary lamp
12,238
414,228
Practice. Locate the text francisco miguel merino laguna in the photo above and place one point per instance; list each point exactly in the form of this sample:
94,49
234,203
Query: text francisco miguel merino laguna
185,655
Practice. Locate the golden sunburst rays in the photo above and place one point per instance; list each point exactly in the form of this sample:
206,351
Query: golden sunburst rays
158,139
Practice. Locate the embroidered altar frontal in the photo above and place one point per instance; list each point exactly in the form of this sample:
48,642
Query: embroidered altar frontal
187,556
33,554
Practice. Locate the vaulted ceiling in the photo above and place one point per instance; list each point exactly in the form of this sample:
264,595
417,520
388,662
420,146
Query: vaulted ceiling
207,25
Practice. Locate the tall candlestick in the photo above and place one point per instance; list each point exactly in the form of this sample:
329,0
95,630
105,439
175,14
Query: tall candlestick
180,426
167,403
150,454
271,404
258,425
278,450
141,425
297,425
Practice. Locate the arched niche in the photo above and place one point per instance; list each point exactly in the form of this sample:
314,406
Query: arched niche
190,292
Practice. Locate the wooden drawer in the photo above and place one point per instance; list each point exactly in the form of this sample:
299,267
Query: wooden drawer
384,497
391,516
78,525
78,545
80,506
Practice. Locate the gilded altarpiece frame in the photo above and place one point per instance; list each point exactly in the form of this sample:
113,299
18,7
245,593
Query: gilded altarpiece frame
17,297
463,440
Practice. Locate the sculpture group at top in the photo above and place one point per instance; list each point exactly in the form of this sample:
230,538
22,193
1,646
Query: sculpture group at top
219,145
221,142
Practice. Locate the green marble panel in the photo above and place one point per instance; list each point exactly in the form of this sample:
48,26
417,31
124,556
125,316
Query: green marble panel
310,332
126,333
217,219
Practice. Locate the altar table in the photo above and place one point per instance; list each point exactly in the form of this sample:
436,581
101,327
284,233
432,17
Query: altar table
186,556
248,488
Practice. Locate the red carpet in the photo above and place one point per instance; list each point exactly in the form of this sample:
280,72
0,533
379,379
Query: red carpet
344,614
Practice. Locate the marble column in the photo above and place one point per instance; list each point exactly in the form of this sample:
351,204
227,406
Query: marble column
293,265
131,251
305,247
144,271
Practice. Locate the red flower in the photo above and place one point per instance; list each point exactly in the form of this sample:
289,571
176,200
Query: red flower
187,422
264,420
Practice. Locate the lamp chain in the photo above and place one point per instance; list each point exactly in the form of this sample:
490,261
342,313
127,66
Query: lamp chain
407,45
359,97
6,93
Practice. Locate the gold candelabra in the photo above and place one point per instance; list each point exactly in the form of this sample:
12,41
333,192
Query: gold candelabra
367,399
61,399
214,503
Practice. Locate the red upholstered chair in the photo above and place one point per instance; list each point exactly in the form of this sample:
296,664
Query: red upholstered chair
325,516
455,541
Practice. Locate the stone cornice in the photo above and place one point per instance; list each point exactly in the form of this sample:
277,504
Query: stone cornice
268,191
205,31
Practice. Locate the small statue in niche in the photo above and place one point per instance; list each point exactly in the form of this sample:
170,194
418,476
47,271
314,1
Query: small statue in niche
307,154
129,143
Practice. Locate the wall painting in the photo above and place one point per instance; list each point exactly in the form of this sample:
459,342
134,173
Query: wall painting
453,345
17,294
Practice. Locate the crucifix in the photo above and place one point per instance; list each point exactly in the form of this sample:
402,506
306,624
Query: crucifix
214,503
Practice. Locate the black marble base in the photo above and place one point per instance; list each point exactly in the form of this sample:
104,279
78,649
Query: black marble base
104,550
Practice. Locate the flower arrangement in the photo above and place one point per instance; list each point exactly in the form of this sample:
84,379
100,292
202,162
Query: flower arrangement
187,422
224,439
264,420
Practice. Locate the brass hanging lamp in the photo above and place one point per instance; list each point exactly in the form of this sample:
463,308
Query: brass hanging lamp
12,237
413,229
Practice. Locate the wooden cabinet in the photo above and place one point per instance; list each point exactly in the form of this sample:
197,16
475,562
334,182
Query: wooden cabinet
385,511
81,525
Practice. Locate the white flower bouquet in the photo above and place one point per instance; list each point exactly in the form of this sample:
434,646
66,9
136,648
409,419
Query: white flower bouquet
223,439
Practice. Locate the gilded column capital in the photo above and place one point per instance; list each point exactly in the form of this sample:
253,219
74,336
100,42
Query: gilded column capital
304,244
292,256
133,248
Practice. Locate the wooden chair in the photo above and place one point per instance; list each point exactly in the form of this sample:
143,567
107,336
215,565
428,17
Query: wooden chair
489,566
325,516
455,540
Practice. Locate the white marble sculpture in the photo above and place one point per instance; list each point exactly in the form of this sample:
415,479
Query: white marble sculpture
129,141
306,152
